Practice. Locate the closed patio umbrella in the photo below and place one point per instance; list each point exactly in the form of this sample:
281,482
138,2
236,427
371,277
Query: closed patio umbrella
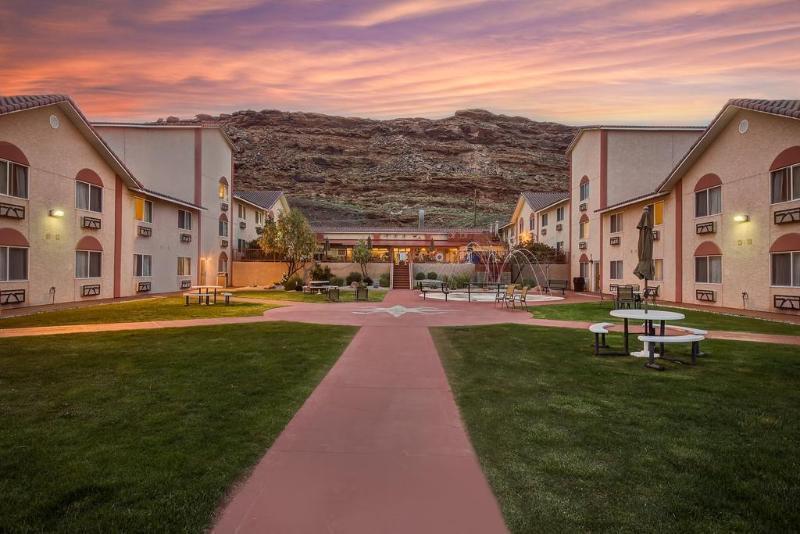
645,269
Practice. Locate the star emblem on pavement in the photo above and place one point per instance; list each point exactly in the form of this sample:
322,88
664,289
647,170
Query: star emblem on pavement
399,311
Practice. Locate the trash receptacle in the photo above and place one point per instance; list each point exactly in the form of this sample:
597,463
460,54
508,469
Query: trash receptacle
578,283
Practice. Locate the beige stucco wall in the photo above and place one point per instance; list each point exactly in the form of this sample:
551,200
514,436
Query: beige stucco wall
56,156
742,162
342,269
249,233
585,161
256,273
552,234
639,160
217,162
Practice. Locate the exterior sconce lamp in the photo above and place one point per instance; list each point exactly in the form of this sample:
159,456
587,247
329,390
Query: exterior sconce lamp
56,213
741,218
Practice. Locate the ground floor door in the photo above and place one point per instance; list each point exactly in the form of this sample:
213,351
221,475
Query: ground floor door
201,280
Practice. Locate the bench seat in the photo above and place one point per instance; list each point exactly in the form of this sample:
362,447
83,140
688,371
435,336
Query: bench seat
600,328
650,341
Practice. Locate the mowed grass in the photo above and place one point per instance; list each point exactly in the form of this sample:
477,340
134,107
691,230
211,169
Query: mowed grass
152,309
146,431
345,295
576,443
599,312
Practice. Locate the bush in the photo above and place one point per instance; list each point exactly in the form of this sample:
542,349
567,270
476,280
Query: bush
353,277
337,281
419,276
321,273
368,281
432,276
295,283
384,280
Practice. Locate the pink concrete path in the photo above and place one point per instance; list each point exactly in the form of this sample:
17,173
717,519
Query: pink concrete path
378,447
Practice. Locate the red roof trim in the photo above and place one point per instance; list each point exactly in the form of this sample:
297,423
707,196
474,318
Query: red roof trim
707,248
788,157
90,177
223,217
584,180
786,243
707,181
88,242
12,238
13,153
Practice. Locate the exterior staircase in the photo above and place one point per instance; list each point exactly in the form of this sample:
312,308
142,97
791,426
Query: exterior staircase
401,278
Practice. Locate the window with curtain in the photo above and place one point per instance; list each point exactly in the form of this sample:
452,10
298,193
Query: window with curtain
657,212
223,190
560,214
223,228
708,269
184,266
708,202
658,271
143,210
785,184
583,230
13,179
142,265
184,220
13,264
616,223
584,191
584,267
786,269
88,264
88,197
616,270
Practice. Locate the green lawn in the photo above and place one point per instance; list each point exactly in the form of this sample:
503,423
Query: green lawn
598,312
575,443
146,431
155,309
345,295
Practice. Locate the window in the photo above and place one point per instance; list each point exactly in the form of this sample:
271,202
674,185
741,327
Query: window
616,270
184,220
559,247
560,214
223,227
786,269
659,270
13,179
708,202
143,209
223,189
521,225
242,211
142,265
584,190
616,223
708,269
241,244
786,184
532,221
657,212
259,217
88,264
222,264
584,270
583,230
88,197
544,220
184,266
13,264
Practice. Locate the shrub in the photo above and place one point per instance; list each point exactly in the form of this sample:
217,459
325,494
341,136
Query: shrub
353,277
384,280
432,276
321,273
337,281
368,281
295,283
419,276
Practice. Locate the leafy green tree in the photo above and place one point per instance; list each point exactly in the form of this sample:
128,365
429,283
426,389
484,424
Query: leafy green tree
291,239
362,255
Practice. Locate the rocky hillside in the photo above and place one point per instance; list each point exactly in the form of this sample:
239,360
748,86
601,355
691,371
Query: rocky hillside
344,170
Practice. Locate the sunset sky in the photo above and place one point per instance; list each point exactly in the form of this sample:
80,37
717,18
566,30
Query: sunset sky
572,61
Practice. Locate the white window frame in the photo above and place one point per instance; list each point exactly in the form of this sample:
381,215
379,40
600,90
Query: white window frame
545,219
6,250
227,228
585,265
707,190
79,183
242,211
621,268
6,183
136,265
560,214
619,219
88,264
708,269
583,234
144,210
185,265
793,195
584,191
186,217
791,254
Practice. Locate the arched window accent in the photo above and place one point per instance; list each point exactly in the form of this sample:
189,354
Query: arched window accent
13,171
583,265
708,196
88,258
707,181
584,180
88,191
583,259
223,225
222,263
583,227
708,263
584,188
223,188
13,255
785,261
785,176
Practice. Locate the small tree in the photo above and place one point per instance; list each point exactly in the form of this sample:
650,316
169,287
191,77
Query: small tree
291,239
361,255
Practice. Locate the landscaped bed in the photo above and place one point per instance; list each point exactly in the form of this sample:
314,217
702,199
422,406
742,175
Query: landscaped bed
599,312
151,309
345,295
147,430
572,442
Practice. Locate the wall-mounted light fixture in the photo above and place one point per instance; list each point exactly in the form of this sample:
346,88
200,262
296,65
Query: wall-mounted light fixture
741,218
56,213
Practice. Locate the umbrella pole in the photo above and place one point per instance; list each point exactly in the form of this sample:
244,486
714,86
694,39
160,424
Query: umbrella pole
644,295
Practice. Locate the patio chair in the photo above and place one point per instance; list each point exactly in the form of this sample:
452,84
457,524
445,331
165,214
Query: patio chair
508,296
625,297
651,293
521,297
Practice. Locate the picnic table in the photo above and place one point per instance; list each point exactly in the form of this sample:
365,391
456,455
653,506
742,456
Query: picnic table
320,286
204,291
648,316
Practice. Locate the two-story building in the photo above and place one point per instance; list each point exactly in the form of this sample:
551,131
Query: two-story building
252,210
539,217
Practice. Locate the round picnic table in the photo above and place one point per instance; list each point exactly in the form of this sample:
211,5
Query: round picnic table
648,316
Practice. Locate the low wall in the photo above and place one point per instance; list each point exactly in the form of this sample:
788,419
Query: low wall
261,273
440,269
342,269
